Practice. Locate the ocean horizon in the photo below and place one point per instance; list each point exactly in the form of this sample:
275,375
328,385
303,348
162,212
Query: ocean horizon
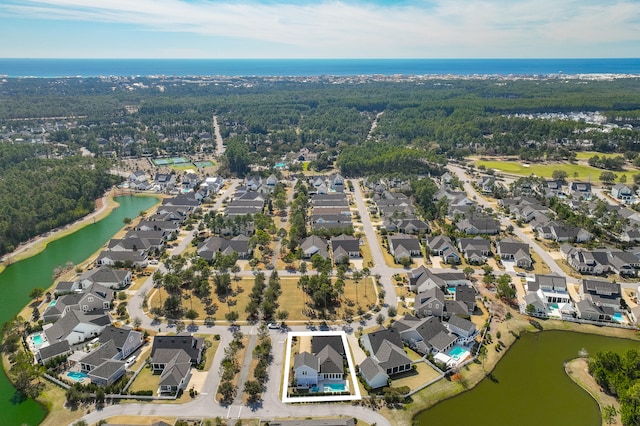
51,68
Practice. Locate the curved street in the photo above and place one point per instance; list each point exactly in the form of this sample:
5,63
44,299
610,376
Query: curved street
271,406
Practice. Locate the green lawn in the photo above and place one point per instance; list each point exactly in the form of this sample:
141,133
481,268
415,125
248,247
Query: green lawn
588,154
584,172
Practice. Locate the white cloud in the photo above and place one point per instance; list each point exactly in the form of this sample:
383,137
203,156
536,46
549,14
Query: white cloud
440,28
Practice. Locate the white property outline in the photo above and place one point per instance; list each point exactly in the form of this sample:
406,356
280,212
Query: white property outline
326,398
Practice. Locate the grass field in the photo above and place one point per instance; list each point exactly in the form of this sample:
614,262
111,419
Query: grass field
585,155
574,171
292,299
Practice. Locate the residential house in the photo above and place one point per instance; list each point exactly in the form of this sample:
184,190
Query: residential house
91,298
190,181
125,339
402,246
477,225
309,369
385,348
174,367
476,250
486,183
214,245
563,233
77,326
463,328
193,346
551,288
114,258
164,181
49,352
313,245
427,335
103,365
603,294
429,303
373,374
512,249
580,190
466,295
421,279
588,310
106,277
442,246
554,188
344,247
622,192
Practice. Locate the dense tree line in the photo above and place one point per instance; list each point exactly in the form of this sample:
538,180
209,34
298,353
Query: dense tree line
386,158
38,194
450,118
619,375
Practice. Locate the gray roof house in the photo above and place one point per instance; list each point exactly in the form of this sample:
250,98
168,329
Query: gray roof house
622,192
344,247
429,303
479,225
176,374
385,348
193,346
313,245
106,277
52,351
442,246
77,326
602,293
404,246
214,245
428,335
476,250
422,278
125,339
467,295
373,374
512,249
463,328
103,364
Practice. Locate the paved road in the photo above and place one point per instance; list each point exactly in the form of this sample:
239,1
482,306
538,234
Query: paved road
544,255
271,407
220,148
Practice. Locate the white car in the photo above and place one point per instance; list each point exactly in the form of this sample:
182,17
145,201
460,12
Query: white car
130,360
273,325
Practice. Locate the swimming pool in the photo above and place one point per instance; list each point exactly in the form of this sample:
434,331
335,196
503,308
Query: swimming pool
37,340
335,387
553,306
618,317
53,302
331,387
458,352
451,290
77,376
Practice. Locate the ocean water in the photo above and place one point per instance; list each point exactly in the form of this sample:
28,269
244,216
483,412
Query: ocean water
312,67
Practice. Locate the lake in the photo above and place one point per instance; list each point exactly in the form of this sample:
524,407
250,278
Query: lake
20,278
530,386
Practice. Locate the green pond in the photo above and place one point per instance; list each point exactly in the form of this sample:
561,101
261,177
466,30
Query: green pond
529,386
20,278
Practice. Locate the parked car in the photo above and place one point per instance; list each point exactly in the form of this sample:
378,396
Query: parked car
273,325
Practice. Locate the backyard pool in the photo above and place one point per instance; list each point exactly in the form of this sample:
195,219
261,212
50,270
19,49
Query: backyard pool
458,353
618,317
77,376
53,302
451,290
330,387
37,340
554,306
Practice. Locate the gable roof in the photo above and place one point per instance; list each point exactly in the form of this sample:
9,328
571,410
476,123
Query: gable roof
306,359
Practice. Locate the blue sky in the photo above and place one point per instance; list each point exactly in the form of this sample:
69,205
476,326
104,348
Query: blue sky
319,29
